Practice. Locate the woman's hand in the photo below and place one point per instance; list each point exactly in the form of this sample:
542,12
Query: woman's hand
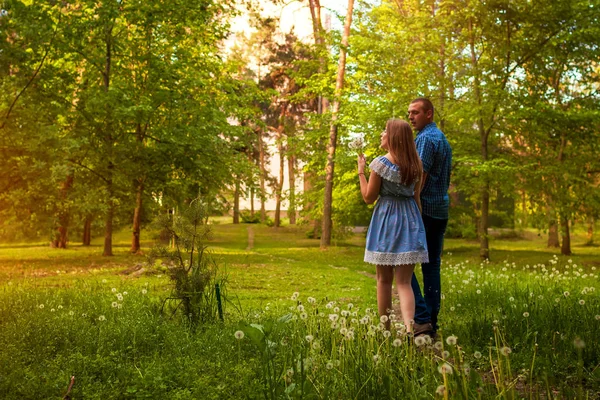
362,162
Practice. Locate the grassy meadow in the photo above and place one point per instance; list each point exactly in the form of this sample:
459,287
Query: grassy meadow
299,323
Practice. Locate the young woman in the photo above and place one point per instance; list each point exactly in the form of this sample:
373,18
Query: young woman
396,237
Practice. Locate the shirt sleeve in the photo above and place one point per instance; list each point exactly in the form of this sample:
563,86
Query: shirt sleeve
426,150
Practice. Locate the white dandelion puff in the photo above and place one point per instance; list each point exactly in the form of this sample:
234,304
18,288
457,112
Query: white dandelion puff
102,318
239,335
505,351
445,368
396,342
451,340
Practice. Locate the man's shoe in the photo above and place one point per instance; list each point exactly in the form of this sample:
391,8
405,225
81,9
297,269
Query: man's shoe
423,329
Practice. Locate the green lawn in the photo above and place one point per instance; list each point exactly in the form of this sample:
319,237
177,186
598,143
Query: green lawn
59,317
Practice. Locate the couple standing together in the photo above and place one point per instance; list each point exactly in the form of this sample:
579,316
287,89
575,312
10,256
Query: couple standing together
410,184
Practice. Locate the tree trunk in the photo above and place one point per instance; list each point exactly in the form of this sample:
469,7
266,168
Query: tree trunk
236,202
565,249
331,146
263,174
280,150
590,231
108,227
61,237
110,167
484,246
252,202
553,235
292,182
137,219
87,231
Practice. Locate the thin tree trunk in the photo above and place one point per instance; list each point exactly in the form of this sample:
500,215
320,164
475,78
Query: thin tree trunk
331,146
484,247
263,174
87,231
565,249
108,131
252,202
553,234
280,150
137,219
590,231
236,202
292,182
61,238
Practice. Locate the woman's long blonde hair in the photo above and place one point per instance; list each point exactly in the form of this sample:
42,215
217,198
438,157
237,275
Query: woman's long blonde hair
403,150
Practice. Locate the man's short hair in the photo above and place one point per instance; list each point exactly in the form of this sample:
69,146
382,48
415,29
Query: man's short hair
427,104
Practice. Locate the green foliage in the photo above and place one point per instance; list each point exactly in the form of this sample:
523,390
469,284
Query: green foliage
248,218
194,273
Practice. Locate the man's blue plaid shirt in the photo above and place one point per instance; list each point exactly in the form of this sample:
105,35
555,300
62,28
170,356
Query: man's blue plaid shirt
436,155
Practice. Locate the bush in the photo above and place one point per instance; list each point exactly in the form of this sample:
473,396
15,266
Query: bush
248,218
189,266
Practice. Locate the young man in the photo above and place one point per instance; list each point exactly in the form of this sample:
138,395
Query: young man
436,155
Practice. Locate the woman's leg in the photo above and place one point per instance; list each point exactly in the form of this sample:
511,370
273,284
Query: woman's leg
385,278
407,297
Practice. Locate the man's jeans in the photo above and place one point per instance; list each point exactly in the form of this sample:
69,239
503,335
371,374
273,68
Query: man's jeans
428,308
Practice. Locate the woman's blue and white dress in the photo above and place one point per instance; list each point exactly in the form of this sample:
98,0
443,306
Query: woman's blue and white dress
396,234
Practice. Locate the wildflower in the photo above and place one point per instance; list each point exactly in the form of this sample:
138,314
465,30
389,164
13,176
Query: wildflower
343,331
329,365
119,297
114,290
102,318
438,345
350,335
396,342
441,390
336,310
505,351
303,315
581,302
387,334
309,338
103,280
119,306
466,369
579,344
420,341
290,372
333,317
84,315
124,293
350,306
383,319
557,299
144,291
445,368
526,314
41,306
239,335
300,308
566,294
478,292
452,308
329,305
316,345
114,304
295,296
311,300
451,340
597,317
511,299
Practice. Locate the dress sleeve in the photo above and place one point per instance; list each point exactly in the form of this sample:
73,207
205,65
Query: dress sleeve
426,150
381,168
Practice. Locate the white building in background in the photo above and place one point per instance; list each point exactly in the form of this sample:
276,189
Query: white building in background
294,15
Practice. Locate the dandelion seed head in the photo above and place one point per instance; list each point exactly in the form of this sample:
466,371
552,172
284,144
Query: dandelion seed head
451,340
102,318
144,291
41,306
505,351
477,355
396,342
239,335
383,319
303,315
114,304
420,341
438,345
316,345
581,302
329,365
526,314
52,310
300,308
566,294
445,369
350,306
71,313
441,390
387,334
114,290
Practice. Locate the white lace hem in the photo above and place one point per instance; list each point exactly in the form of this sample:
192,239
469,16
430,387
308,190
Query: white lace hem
385,171
411,257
